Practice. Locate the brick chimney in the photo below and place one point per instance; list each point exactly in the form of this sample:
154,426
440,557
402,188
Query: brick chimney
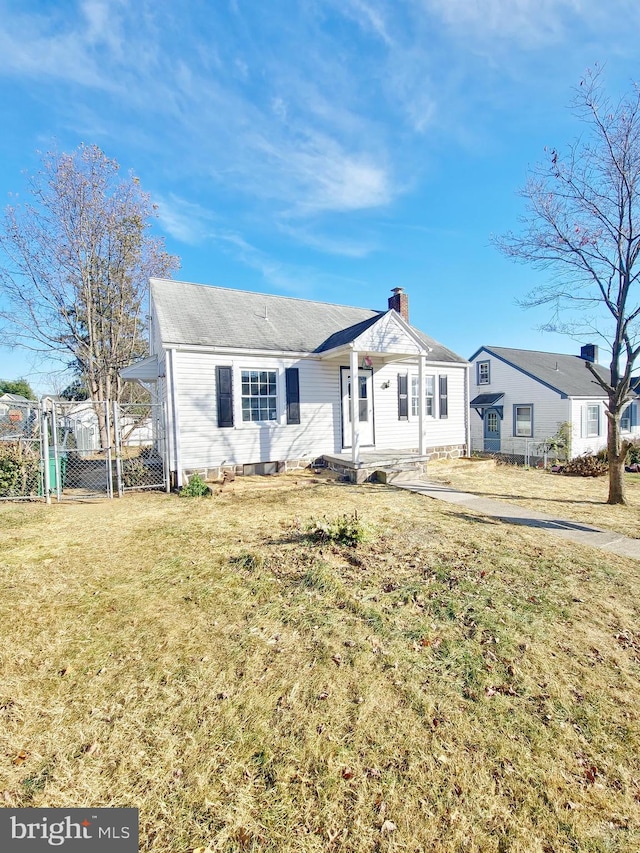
589,352
400,302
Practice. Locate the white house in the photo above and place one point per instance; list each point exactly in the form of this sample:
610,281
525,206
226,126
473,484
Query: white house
259,383
520,398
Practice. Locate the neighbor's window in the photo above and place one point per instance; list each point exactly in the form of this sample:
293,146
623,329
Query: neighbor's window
259,395
625,419
429,394
523,420
483,373
593,420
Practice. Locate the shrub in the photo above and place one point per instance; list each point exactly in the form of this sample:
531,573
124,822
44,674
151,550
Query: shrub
195,488
586,465
344,530
135,473
558,445
19,470
633,455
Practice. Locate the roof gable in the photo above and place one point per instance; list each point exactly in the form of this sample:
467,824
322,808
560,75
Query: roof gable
568,375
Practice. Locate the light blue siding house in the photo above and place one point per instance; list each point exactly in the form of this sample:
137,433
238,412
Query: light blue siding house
520,398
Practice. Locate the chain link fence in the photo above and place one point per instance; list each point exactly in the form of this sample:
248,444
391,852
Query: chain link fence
21,452
77,450
516,451
140,437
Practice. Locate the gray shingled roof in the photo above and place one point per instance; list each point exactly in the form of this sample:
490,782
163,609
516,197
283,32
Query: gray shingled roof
567,374
217,316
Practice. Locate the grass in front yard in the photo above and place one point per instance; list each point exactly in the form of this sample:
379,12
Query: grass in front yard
582,499
450,684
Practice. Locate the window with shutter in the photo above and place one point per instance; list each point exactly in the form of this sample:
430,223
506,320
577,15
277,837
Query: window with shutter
403,397
224,396
443,386
292,383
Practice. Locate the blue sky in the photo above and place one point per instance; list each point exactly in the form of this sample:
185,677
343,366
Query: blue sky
326,149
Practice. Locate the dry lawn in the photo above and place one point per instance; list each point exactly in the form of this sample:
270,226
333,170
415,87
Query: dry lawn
572,498
451,684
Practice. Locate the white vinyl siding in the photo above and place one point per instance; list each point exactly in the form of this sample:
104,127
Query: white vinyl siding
203,444
387,336
549,408
403,435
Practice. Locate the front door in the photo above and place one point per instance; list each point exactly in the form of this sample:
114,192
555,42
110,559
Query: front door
365,406
491,431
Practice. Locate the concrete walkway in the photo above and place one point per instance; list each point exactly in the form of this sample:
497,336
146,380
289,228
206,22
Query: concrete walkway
583,534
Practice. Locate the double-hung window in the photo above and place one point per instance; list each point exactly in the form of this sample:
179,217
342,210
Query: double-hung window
484,376
259,395
523,421
429,395
592,421
626,419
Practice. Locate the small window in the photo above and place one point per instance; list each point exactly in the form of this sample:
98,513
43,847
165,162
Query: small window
483,373
523,421
593,421
429,396
259,395
625,419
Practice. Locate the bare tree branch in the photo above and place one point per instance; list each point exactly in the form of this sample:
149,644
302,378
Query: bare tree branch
582,226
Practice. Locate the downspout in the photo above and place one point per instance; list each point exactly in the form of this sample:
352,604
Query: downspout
467,409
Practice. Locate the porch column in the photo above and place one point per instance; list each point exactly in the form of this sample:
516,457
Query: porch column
355,408
422,361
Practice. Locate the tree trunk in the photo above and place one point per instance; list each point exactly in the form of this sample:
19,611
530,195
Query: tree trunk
617,452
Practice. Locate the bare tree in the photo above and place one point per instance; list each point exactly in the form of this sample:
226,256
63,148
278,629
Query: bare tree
75,268
583,225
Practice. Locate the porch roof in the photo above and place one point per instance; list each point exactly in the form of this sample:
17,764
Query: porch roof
145,370
483,401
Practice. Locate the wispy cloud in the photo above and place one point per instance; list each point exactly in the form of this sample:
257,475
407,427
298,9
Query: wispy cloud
296,279
184,220
298,110
529,23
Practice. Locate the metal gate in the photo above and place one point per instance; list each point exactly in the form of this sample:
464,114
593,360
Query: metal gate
140,447
79,450
21,449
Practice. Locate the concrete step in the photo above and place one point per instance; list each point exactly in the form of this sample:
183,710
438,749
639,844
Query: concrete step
398,474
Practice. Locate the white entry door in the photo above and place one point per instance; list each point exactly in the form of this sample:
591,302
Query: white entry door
365,406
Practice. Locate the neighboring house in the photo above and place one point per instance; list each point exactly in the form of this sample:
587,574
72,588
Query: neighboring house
520,398
18,418
78,427
259,383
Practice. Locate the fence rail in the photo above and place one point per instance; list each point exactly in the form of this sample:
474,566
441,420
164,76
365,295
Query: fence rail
66,450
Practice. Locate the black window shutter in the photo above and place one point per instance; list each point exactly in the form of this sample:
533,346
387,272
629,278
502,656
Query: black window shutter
403,397
293,395
444,397
224,389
